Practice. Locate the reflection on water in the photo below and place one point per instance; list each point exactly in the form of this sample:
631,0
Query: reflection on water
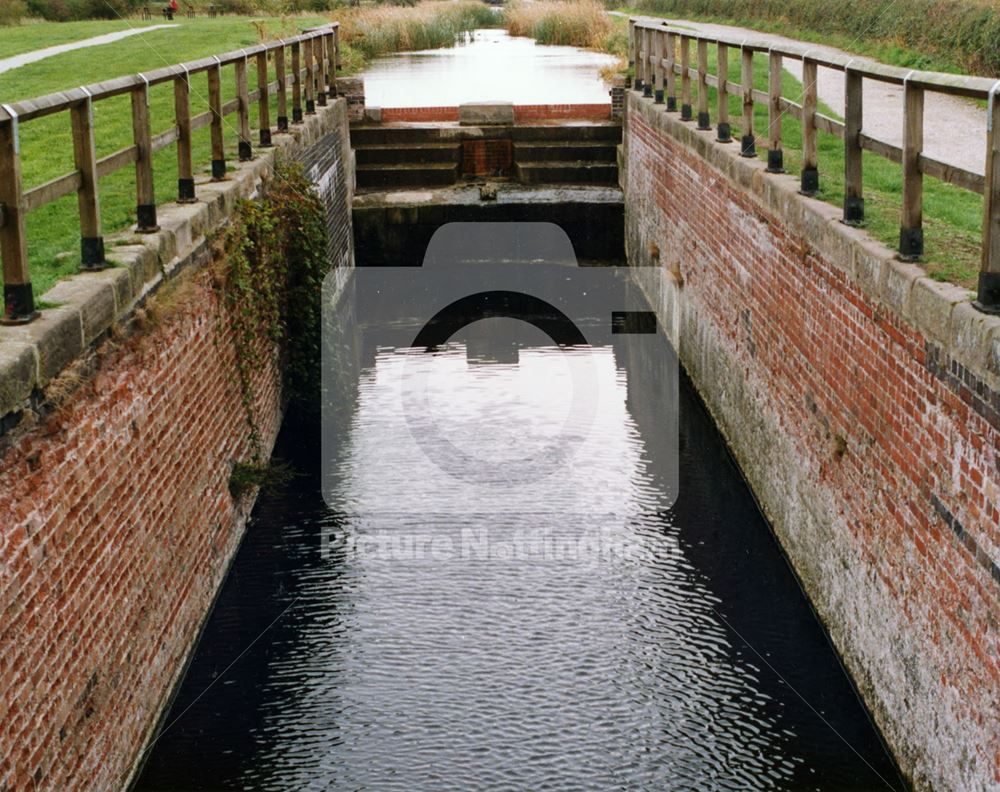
488,65
608,633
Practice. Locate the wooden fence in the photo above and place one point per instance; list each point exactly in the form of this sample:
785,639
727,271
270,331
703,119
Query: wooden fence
314,55
655,47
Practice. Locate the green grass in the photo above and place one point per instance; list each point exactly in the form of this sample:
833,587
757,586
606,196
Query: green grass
46,143
952,216
38,35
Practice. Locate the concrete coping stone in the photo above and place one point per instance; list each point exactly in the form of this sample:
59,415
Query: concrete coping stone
941,312
88,303
476,113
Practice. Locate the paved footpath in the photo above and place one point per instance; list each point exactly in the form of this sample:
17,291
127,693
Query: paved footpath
31,57
954,128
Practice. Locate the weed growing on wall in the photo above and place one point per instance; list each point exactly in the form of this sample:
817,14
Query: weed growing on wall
272,268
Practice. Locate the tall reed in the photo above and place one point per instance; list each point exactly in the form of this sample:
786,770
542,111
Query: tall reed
578,23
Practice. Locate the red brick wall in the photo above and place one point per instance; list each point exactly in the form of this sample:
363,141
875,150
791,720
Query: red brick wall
875,454
522,113
117,529
487,157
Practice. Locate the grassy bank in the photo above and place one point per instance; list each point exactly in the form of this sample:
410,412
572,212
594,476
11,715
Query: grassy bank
952,216
47,151
942,35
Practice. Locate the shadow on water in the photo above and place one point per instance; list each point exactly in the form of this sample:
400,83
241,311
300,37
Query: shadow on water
685,657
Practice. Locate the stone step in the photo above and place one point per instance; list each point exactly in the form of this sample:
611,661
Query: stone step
566,172
430,174
608,131
416,134
400,154
565,151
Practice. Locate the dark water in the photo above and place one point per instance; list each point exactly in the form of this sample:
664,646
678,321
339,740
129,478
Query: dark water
422,632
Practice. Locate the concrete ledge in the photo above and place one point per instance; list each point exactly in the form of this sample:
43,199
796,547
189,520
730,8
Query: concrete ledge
939,311
475,113
89,303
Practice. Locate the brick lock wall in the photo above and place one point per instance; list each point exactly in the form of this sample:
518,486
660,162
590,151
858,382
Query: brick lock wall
120,526
875,454
117,527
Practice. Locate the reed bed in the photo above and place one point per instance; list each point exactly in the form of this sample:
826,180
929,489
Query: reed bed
576,23
925,34
382,29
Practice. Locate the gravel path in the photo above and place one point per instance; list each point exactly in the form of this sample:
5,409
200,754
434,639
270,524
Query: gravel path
954,128
30,57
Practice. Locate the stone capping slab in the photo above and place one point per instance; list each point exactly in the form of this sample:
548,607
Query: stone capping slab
941,312
475,113
88,303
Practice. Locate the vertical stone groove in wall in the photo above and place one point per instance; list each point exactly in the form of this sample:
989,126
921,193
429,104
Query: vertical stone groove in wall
834,373
117,524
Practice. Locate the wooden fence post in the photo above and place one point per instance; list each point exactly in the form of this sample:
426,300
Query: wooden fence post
723,132
810,156
854,202
310,82
331,66
647,57
633,53
748,144
988,298
658,66
182,115
243,110
87,199
215,106
18,299
685,78
145,195
319,50
297,82
279,71
264,102
703,119
775,156
911,227
671,73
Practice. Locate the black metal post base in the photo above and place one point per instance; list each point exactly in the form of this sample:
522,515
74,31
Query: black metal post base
658,97
332,92
748,146
638,84
647,90
265,138
18,304
810,182
775,161
92,254
218,170
321,98
310,107
246,152
282,123
296,115
911,244
854,211
703,122
686,113
185,191
671,104
988,299
146,219
724,133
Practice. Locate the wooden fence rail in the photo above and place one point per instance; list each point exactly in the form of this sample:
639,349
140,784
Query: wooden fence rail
652,45
321,50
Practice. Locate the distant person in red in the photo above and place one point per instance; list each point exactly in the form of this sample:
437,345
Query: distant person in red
171,9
